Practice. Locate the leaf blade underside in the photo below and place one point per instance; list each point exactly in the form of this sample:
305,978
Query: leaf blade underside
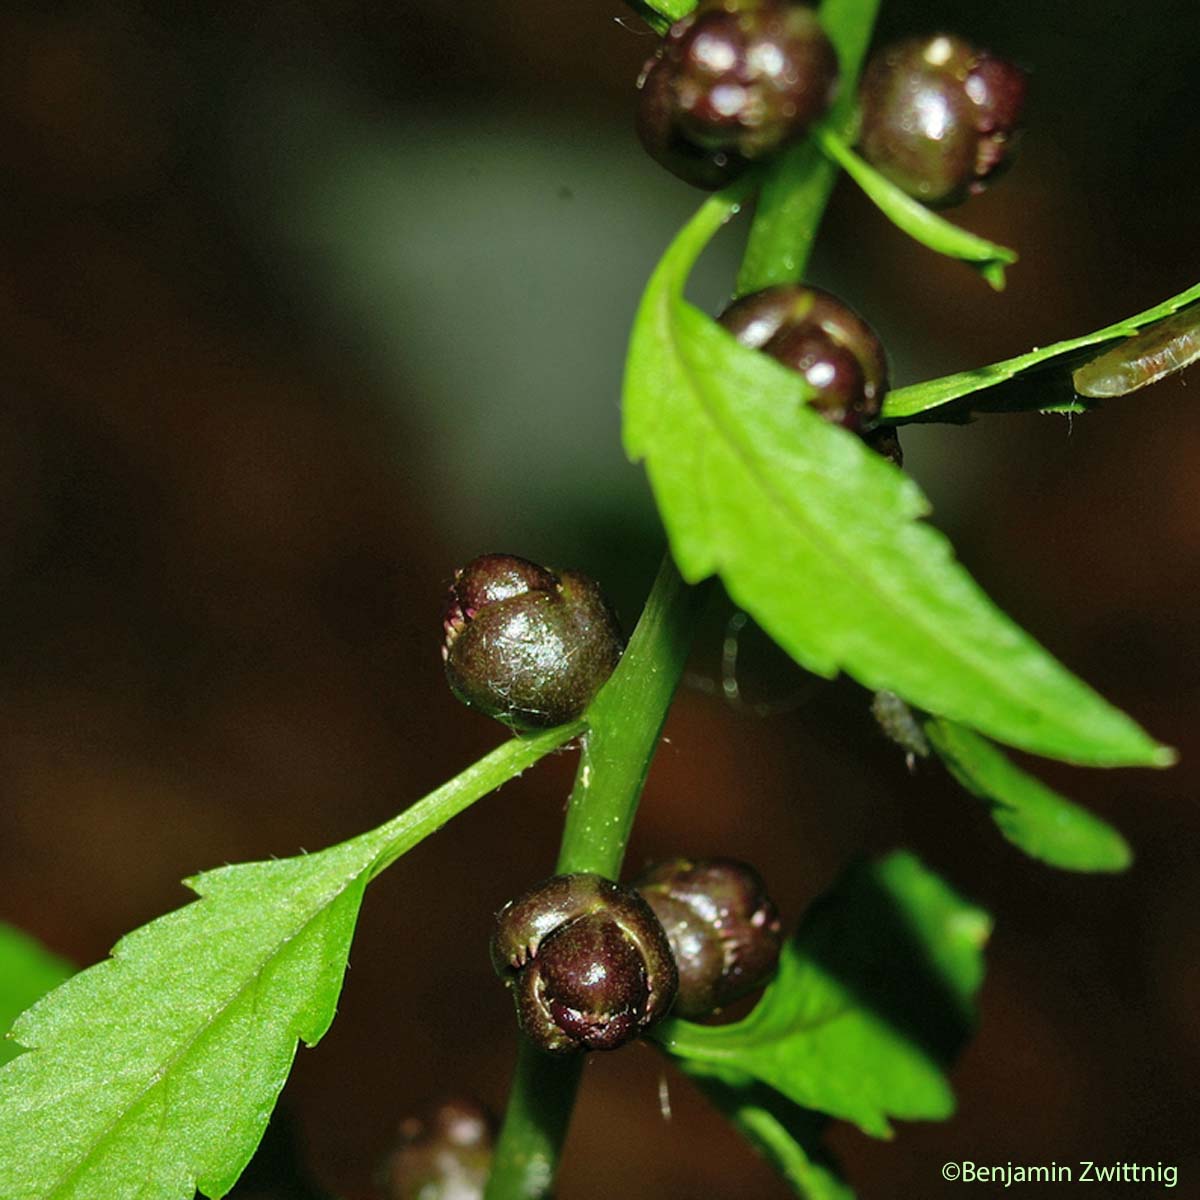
821,541
874,997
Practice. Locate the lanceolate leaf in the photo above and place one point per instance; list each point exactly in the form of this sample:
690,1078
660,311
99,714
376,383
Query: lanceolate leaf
152,1075
1039,379
27,972
1028,813
820,540
919,222
874,996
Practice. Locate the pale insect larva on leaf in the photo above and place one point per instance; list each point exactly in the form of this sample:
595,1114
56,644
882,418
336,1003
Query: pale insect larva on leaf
1145,358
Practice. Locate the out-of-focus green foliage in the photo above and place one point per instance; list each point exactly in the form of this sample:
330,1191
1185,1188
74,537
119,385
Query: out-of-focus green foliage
919,222
1028,813
27,972
874,996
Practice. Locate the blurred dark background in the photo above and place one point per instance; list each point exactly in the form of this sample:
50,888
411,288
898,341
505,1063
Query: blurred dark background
305,302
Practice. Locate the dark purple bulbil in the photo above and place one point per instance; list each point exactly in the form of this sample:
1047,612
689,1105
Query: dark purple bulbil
524,644
730,83
443,1154
940,118
723,929
814,333
588,962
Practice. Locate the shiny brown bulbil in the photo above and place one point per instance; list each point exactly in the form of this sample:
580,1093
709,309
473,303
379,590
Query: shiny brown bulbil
731,82
526,645
444,1154
588,962
723,929
939,118
814,333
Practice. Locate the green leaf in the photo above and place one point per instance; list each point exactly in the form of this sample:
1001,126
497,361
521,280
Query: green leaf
27,972
1028,813
662,14
920,223
819,539
1040,379
786,1135
798,181
874,995
153,1074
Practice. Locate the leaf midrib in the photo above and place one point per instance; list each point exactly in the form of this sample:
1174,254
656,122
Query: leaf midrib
981,379
790,516
201,1032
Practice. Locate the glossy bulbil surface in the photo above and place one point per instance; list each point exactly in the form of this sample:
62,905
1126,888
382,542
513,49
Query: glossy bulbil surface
817,335
526,645
723,928
588,961
940,118
730,83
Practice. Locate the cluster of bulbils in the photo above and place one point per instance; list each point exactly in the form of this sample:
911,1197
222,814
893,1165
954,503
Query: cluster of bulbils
592,963
735,80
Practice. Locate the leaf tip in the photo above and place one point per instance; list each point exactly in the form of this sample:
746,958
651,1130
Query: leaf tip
1121,858
993,274
974,926
1163,756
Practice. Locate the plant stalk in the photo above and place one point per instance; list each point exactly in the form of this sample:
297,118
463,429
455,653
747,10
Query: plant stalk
627,716
624,721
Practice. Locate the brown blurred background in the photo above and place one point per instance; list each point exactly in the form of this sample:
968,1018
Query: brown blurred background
305,302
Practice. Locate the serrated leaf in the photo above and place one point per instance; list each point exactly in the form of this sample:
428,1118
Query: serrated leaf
1040,379
913,218
787,1136
1032,816
168,1058
820,540
152,1075
27,972
875,993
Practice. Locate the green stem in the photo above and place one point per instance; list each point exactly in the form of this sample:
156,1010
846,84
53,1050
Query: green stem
429,814
624,721
624,724
798,183
626,718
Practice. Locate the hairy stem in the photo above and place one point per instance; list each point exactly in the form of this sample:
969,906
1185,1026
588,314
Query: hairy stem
624,725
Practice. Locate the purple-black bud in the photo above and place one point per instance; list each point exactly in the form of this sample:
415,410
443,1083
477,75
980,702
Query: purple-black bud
814,333
723,929
588,962
731,82
525,644
940,118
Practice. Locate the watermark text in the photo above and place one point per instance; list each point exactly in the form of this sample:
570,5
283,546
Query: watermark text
1012,1174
